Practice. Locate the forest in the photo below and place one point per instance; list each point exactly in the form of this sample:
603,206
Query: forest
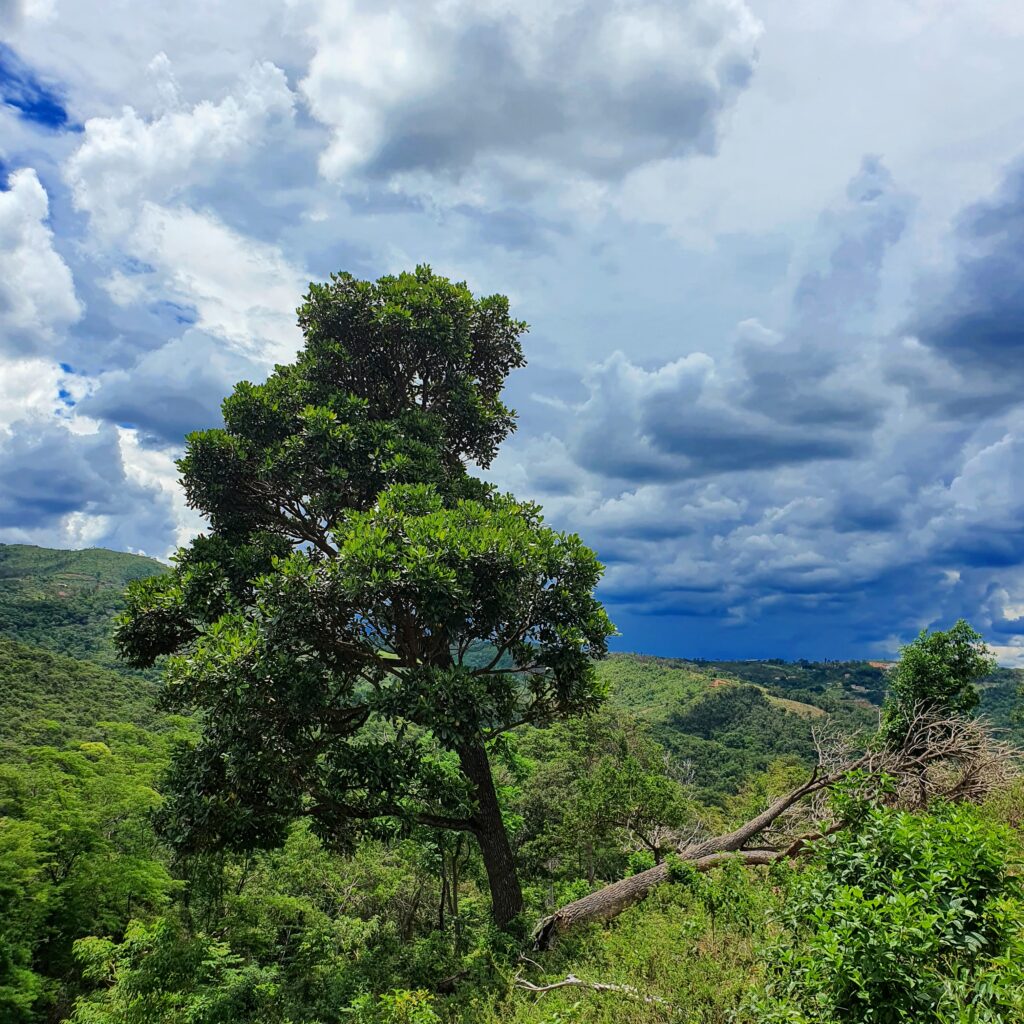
361,755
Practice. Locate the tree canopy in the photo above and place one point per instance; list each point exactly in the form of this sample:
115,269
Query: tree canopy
364,615
936,673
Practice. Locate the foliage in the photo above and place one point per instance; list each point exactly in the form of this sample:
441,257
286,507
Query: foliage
903,918
398,1007
161,975
77,855
597,790
936,672
399,381
385,659
50,699
731,733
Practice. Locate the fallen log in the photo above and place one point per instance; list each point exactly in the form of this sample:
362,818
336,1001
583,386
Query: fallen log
946,757
611,900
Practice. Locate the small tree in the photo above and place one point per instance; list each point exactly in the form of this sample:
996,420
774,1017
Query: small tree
936,674
364,615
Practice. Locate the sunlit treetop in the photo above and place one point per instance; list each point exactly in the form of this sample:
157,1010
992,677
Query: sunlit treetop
399,381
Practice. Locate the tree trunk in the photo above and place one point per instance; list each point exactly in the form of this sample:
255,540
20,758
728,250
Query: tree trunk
489,829
613,899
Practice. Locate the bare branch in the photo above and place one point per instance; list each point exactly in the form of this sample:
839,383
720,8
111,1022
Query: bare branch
571,981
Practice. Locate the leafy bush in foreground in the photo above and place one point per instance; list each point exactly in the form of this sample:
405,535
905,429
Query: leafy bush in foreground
903,918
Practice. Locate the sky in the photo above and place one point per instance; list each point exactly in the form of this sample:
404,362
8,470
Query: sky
771,253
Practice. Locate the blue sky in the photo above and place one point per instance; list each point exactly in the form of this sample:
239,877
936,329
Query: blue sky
771,252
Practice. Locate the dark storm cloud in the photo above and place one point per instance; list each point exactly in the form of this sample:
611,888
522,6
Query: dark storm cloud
978,321
47,472
722,440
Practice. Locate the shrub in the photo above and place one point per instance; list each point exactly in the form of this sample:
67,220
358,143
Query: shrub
903,918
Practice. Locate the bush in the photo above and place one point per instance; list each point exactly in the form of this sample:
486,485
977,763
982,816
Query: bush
903,918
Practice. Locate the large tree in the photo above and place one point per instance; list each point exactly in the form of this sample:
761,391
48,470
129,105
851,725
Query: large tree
364,616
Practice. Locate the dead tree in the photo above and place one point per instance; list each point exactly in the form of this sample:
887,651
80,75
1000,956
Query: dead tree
942,757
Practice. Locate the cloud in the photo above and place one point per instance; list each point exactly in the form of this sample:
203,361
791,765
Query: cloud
62,487
681,421
783,398
977,322
37,293
34,388
576,90
173,390
792,490
735,394
13,13
133,176
128,159
47,472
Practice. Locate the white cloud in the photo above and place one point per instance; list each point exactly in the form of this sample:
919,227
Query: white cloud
243,291
30,390
37,292
578,89
127,159
154,470
132,176
14,13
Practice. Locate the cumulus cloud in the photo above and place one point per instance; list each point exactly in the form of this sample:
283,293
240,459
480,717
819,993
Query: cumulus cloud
976,323
34,388
70,488
132,176
33,457
574,90
766,455
37,293
173,390
793,486
784,398
128,159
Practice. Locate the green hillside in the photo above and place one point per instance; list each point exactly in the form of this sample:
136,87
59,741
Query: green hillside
49,698
65,601
832,684
727,719
727,725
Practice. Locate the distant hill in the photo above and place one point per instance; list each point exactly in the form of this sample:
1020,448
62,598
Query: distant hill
59,674
52,699
866,682
730,719
726,722
66,601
